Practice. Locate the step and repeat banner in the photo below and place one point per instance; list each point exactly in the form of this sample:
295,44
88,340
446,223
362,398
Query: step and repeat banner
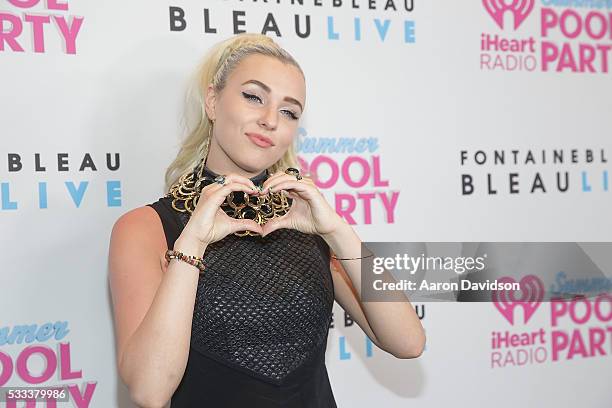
426,121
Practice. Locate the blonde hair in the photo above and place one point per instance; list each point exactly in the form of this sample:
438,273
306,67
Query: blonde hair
218,63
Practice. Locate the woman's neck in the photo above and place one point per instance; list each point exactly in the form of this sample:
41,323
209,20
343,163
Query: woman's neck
212,172
218,162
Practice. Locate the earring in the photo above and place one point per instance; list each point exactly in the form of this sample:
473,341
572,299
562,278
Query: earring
210,128
186,191
207,149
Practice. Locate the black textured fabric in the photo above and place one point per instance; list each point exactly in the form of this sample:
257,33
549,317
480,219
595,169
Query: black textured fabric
260,321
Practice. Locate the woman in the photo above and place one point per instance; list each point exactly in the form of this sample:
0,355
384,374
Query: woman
238,316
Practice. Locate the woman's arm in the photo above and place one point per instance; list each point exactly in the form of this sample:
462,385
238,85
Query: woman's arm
392,326
154,308
153,305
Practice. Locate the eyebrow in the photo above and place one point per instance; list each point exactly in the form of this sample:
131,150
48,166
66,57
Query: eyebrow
267,89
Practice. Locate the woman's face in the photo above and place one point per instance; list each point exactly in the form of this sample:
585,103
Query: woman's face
263,98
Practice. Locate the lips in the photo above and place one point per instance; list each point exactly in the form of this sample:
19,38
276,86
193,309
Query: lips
260,140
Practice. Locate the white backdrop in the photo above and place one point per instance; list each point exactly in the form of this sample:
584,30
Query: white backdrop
108,78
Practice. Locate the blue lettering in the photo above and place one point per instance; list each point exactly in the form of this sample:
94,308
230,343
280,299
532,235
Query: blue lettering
76,194
409,36
331,35
344,355
113,193
42,194
585,183
382,30
7,204
369,351
45,332
357,24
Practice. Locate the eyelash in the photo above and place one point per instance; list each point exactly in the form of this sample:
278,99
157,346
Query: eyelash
249,96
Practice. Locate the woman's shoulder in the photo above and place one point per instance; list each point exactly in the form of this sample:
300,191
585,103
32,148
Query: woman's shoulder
137,245
144,219
149,219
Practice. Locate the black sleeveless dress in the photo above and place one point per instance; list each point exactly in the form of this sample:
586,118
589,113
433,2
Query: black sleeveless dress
261,318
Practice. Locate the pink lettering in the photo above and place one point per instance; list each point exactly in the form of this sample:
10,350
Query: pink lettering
366,198
65,372
37,30
346,212
24,3
50,366
314,167
548,20
10,36
365,168
389,205
55,5
559,342
376,171
69,31
549,54
82,400
7,368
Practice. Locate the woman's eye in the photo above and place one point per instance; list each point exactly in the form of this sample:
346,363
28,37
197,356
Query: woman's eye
292,115
251,97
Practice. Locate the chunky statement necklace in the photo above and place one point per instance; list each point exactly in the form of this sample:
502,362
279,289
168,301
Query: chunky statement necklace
240,205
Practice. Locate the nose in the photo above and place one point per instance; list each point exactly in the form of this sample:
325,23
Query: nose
269,118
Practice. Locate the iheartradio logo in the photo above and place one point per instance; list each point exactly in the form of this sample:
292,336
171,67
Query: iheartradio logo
519,9
530,297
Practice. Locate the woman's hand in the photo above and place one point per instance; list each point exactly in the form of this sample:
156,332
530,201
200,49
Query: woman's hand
208,222
310,212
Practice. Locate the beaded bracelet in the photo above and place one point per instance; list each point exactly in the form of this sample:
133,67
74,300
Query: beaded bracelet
192,260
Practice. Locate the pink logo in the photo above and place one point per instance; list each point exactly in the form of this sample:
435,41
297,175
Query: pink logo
520,9
532,290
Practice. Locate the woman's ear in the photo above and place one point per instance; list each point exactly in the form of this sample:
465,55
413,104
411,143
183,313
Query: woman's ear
209,102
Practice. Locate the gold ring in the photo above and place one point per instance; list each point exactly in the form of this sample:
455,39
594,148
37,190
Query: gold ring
293,172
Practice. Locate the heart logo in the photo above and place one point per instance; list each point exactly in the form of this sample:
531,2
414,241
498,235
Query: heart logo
519,9
531,295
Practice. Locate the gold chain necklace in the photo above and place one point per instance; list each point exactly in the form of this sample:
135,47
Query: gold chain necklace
240,205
